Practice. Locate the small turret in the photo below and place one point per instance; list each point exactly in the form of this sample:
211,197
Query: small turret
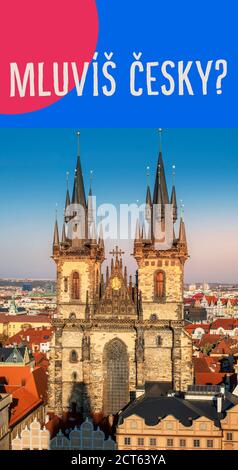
56,239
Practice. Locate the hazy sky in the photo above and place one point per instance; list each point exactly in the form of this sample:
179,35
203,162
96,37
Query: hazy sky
33,165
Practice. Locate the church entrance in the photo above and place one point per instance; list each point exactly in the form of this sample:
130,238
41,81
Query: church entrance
116,377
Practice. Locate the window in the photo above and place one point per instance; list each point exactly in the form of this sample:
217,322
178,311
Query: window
75,286
196,443
140,441
153,442
159,341
159,285
182,443
153,317
210,443
72,316
74,376
170,442
229,436
66,284
73,356
127,441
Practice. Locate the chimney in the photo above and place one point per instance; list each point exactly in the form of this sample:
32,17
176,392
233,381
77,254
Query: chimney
219,404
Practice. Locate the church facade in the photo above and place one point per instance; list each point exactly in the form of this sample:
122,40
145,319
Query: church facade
113,336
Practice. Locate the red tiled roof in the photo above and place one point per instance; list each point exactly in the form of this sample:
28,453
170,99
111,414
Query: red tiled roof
208,339
191,327
225,323
14,375
207,378
23,403
28,388
206,364
226,346
41,360
198,296
32,336
25,318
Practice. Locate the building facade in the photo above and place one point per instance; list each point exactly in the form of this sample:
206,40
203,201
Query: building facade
5,402
196,422
113,336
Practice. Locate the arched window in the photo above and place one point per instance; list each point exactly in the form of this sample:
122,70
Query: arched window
74,376
73,356
75,286
66,284
72,316
153,317
160,285
116,377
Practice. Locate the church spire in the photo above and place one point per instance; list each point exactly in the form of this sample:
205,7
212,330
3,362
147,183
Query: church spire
78,196
173,200
67,198
56,235
63,238
160,179
182,232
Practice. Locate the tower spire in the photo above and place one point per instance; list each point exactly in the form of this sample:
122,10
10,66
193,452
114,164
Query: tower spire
173,200
160,179
160,139
78,143
182,231
63,239
78,196
67,198
56,233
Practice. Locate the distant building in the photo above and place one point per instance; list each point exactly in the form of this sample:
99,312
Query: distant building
225,326
12,356
12,324
37,339
27,287
197,330
195,314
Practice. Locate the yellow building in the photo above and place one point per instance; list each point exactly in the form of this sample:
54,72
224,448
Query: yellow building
12,324
174,423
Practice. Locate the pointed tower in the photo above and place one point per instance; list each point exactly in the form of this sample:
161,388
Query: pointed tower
78,196
78,261
160,283
56,238
182,241
173,202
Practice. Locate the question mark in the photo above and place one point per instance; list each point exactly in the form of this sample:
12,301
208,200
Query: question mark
222,75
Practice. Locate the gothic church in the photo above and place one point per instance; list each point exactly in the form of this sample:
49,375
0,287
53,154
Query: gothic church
112,336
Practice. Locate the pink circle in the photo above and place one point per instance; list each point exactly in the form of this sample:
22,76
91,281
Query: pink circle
48,31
